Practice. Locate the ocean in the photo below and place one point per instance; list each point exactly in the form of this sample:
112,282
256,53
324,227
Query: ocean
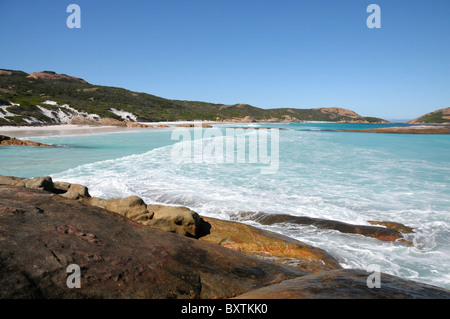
303,169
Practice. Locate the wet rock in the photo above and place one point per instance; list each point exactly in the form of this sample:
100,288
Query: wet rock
393,225
380,233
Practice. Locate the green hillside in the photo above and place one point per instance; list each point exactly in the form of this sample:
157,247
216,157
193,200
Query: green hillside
441,116
21,94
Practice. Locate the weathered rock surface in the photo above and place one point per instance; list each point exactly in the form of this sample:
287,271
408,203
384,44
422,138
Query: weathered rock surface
380,233
41,233
6,140
346,284
267,245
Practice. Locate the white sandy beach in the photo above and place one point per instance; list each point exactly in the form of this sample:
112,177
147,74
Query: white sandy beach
71,129
51,130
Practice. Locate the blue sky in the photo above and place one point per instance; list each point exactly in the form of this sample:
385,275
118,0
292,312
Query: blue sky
266,53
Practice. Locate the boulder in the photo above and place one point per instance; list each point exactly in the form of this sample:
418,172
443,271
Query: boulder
267,245
75,191
179,220
44,183
130,207
61,186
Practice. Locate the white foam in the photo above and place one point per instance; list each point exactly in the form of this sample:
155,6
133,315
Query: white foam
347,183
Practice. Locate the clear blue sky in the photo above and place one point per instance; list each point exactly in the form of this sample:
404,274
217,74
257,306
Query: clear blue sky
267,53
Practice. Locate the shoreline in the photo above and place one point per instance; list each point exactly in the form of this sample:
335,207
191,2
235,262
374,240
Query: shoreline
76,129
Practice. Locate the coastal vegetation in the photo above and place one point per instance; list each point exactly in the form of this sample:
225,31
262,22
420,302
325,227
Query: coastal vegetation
21,94
441,116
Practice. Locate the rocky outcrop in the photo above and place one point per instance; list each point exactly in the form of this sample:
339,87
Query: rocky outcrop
267,245
107,121
42,233
50,75
380,233
405,130
132,124
347,284
179,220
6,140
441,116
80,120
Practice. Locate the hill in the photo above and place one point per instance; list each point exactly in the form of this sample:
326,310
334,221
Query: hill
50,98
441,116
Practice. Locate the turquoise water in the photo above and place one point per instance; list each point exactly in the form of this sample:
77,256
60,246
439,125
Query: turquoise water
345,176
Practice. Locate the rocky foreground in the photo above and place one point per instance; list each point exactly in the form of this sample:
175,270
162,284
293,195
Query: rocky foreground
128,249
